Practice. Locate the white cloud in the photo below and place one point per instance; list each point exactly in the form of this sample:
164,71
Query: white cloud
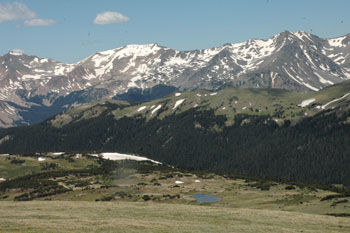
110,17
39,22
15,11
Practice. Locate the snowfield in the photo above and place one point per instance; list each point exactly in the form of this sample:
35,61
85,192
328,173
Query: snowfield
119,156
58,153
306,102
141,108
156,109
178,103
335,100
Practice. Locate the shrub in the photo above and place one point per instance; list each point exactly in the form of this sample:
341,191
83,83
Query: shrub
339,202
108,198
17,161
146,197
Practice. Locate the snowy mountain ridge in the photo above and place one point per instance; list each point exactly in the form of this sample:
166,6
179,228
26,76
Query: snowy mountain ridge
296,61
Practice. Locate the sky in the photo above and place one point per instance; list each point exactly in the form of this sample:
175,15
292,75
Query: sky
71,30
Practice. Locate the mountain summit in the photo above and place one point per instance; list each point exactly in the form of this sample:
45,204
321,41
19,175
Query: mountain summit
296,61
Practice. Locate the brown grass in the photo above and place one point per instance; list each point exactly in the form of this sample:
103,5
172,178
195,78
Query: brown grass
79,216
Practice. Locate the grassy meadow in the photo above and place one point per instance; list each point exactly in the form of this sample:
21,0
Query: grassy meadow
143,197
83,216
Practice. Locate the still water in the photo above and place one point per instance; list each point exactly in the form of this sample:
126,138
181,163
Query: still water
206,198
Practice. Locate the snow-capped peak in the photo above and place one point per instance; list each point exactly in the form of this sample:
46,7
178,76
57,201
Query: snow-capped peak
302,35
16,52
306,61
139,50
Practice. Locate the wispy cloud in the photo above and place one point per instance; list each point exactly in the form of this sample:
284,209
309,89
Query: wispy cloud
19,11
39,22
110,17
15,11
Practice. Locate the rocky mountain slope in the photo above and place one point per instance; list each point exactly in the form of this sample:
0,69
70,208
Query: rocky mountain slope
296,61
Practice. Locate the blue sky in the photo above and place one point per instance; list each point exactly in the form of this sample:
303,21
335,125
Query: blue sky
69,30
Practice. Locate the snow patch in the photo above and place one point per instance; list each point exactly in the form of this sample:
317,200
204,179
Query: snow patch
309,58
119,156
16,52
179,182
291,76
141,50
310,87
89,76
58,153
40,159
141,108
177,94
178,103
335,100
305,103
156,109
29,76
61,70
273,77
176,60
337,42
322,80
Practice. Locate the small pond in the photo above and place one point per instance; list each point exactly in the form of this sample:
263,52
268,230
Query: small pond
206,198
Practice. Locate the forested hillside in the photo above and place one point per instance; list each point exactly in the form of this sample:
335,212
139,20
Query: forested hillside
315,150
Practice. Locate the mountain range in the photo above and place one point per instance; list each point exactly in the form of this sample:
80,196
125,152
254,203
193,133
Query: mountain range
33,89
